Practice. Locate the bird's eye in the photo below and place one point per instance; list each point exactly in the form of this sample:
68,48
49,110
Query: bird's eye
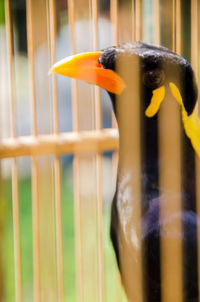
153,78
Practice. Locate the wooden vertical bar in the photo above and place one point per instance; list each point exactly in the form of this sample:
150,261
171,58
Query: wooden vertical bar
15,182
16,230
114,20
178,46
98,122
76,163
194,36
133,21
57,162
52,25
36,230
138,22
30,44
156,25
35,191
128,116
71,14
170,178
198,214
59,241
194,63
9,35
174,25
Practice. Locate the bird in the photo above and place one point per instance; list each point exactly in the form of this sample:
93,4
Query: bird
139,77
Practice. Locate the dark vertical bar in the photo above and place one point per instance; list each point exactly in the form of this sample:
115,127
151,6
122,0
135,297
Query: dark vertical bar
189,180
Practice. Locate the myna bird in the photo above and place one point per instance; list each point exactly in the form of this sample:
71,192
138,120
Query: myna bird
157,71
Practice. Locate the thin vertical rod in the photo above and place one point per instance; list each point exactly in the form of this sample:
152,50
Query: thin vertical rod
57,163
138,23
114,19
71,14
30,44
170,181
136,20
59,241
35,192
173,25
16,230
10,65
176,24
76,164
36,230
98,119
194,63
178,47
133,21
115,37
98,111
194,35
156,25
15,182
52,24
100,225
77,210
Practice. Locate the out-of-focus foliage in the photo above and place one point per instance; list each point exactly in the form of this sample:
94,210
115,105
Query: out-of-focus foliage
2,15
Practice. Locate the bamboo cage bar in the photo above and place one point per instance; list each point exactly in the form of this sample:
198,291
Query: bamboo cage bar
52,26
136,267
15,181
35,190
16,230
170,181
36,230
133,33
177,15
78,241
194,63
98,126
30,44
76,164
114,19
59,240
138,20
10,65
129,118
71,142
156,18
57,160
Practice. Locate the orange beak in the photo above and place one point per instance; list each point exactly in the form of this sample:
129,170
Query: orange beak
86,67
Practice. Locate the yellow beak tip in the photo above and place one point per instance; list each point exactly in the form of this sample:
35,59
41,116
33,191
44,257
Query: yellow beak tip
51,70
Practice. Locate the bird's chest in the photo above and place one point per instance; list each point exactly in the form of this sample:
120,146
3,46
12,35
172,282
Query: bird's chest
136,190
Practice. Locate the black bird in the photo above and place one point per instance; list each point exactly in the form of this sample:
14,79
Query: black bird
138,76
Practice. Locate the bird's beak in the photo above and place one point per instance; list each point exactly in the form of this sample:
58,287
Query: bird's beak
85,67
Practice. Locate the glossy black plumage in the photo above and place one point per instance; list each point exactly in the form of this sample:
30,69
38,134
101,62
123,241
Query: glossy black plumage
165,66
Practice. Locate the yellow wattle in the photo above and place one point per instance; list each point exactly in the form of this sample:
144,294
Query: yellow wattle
156,100
191,122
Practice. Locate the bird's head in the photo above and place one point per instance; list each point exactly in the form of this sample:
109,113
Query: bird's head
159,69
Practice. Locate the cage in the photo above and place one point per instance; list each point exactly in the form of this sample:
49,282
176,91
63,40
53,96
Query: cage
59,147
